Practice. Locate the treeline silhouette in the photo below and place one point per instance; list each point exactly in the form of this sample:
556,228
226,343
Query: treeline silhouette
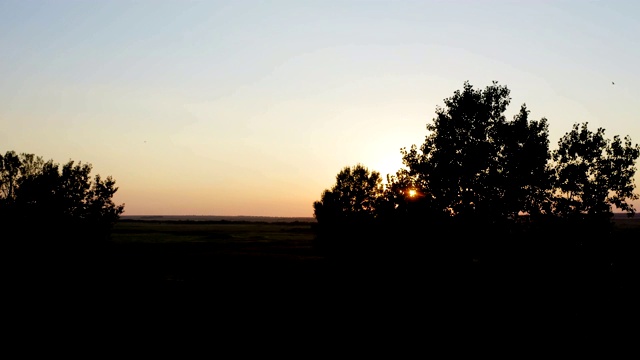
56,222
45,202
488,192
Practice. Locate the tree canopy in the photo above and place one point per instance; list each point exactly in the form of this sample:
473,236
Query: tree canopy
42,199
593,173
354,197
476,165
475,162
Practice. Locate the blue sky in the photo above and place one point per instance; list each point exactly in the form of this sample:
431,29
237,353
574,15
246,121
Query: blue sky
252,107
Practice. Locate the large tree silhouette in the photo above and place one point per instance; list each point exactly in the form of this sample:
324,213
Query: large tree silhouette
45,203
55,222
475,163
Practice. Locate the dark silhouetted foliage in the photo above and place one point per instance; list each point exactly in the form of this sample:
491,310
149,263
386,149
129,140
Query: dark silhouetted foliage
594,174
45,204
475,163
347,211
479,184
354,197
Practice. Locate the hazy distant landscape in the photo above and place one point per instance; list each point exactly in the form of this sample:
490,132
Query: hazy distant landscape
217,218
256,218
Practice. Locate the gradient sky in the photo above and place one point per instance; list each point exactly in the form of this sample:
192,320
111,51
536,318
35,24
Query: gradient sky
253,107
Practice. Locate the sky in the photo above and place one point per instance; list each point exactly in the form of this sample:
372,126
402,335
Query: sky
253,107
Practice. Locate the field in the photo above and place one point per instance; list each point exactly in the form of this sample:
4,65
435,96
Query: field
270,272
184,251
198,252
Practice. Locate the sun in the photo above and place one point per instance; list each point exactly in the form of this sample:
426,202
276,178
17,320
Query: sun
412,193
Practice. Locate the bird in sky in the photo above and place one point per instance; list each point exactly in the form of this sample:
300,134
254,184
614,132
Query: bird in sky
612,83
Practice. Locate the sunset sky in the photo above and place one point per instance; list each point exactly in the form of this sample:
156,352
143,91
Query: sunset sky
253,107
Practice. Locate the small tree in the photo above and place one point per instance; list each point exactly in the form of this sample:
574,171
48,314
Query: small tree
353,199
346,212
593,173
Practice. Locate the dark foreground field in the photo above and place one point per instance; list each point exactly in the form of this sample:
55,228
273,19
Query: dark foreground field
276,264
207,256
260,273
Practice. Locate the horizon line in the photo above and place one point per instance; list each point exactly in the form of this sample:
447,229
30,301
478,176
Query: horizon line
176,215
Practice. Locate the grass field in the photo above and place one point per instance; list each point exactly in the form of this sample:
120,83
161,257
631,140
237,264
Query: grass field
175,248
244,242
201,254
250,238
247,272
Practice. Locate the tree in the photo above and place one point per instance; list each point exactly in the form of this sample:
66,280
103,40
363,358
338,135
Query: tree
40,200
593,173
353,199
347,212
474,163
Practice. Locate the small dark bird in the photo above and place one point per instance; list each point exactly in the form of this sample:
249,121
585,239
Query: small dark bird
612,83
